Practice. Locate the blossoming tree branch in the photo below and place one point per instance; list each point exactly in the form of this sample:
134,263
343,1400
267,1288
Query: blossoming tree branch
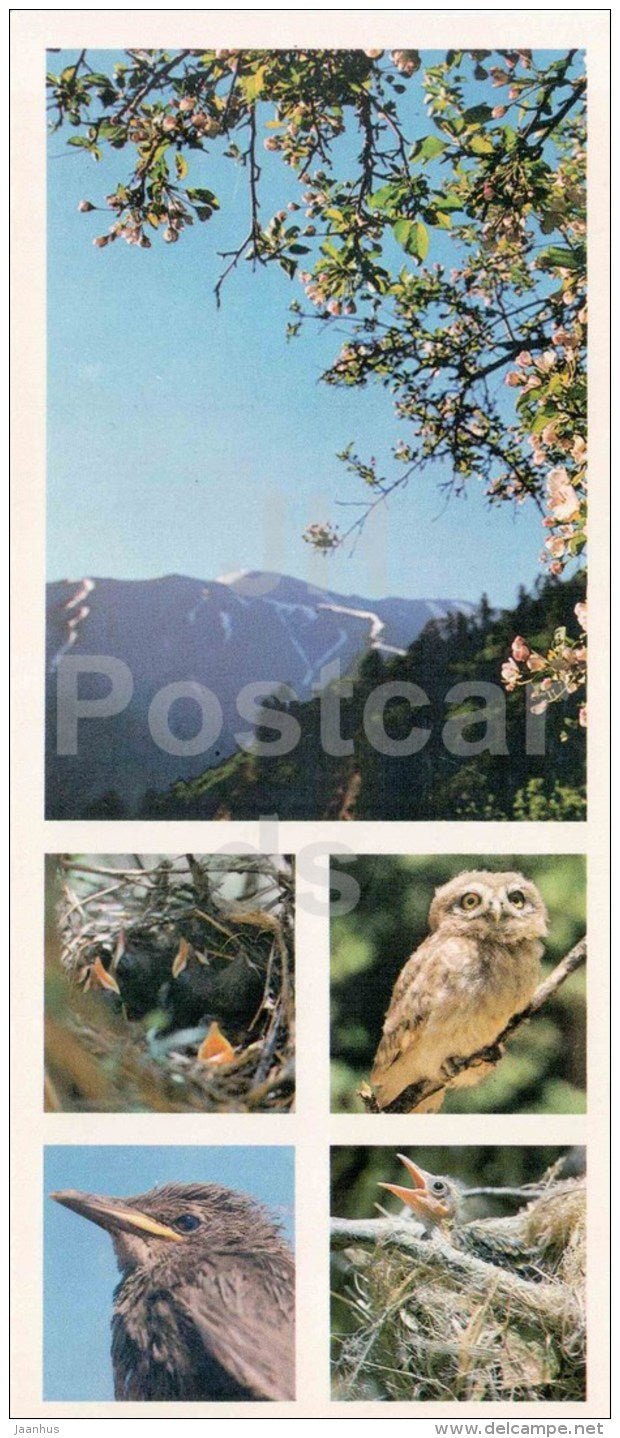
449,249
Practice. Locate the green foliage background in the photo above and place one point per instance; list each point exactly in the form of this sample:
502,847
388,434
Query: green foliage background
544,1068
355,1173
309,783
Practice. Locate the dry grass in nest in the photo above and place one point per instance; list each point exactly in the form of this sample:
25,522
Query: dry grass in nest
95,1058
433,1324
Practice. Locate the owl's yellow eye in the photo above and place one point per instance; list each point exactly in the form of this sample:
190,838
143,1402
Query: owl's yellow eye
470,901
517,899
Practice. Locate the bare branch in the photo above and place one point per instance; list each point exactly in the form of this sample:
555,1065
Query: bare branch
156,79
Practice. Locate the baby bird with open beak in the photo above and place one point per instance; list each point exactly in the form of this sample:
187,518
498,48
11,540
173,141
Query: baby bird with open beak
435,1201
439,1205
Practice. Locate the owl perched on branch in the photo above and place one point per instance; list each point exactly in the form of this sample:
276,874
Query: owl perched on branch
479,965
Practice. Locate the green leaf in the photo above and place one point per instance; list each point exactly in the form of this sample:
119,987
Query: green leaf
413,236
203,197
181,166
429,148
447,202
546,413
84,144
481,145
477,114
253,85
383,198
557,255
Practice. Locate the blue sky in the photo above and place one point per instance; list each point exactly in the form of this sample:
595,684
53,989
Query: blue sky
80,1266
190,440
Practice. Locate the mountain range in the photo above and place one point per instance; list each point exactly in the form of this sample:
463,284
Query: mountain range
251,627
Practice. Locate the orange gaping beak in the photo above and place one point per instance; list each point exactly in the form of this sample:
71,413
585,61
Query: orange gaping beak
424,1203
104,977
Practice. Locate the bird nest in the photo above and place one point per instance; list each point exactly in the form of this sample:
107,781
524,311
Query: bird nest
429,1323
170,983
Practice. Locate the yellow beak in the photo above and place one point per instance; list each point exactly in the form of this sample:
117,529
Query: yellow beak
109,1213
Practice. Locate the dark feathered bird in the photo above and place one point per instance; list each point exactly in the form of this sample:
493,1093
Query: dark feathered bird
145,977
204,1310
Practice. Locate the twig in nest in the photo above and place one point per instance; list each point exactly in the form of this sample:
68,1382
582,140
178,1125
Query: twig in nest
438,1255
414,1094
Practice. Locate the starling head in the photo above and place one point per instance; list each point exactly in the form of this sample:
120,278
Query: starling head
150,1229
205,1307
434,1200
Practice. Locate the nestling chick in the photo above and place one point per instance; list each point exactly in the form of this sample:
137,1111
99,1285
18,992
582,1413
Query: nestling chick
455,995
204,1310
145,977
533,1243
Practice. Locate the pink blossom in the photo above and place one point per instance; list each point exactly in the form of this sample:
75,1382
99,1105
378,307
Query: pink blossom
546,361
519,649
536,662
581,611
549,433
513,379
583,716
510,673
562,497
524,358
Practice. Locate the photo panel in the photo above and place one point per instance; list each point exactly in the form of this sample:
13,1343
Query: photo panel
266,594
458,982
310,825
170,983
458,1274
205,1307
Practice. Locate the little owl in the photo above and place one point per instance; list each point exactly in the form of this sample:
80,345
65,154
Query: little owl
479,965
